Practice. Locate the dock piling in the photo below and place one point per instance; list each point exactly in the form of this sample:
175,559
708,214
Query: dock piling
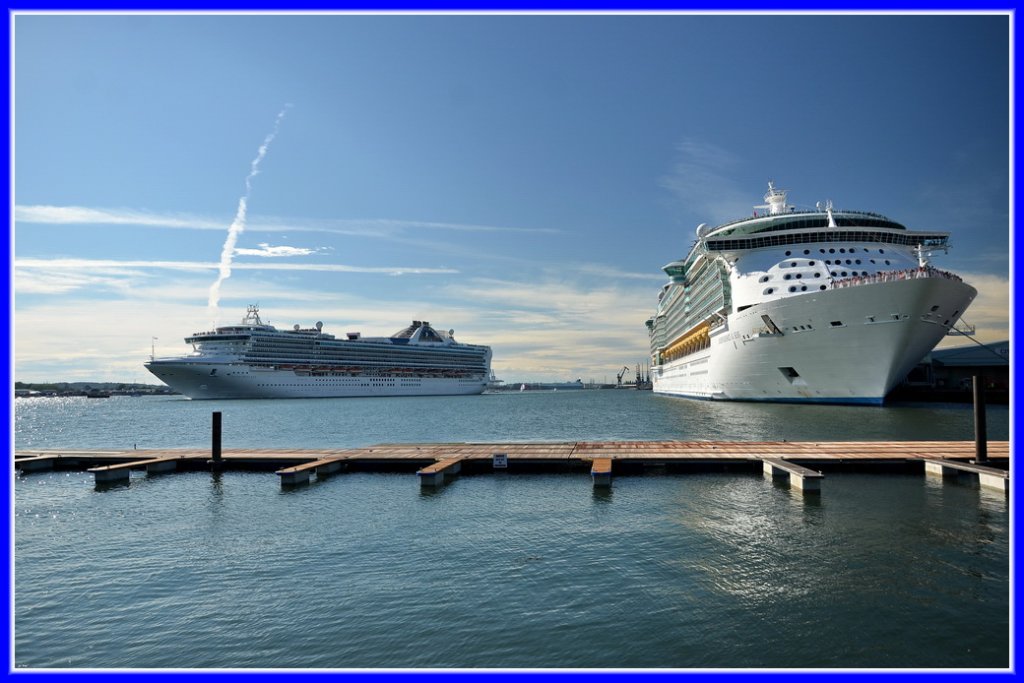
980,428
105,475
294,478
322,467
988,477
159,466
434,475
328,468
216,461
601,471
121,471
806,480
37,464
215,447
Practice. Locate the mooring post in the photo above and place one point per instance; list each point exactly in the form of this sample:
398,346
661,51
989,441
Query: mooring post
980,432
215,447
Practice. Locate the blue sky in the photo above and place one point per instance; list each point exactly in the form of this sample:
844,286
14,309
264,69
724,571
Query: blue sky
521,179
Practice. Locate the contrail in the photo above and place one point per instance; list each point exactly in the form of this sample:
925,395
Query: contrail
238,225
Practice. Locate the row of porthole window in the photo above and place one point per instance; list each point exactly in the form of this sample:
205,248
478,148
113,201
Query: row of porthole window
350,381
799,276
828,262
801,288
839,262
766,278
359,383
842,250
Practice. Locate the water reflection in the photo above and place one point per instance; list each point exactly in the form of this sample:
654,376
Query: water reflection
102,486
527,570
993,501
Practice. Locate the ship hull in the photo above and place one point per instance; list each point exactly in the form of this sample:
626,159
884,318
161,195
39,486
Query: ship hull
846,345
212,380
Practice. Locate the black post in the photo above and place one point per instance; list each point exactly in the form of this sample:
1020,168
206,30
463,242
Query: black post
216,437
980,432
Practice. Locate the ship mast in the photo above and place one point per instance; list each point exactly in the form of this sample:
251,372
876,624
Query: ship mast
252,315
775,200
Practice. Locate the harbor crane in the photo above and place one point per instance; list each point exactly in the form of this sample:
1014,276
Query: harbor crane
618,377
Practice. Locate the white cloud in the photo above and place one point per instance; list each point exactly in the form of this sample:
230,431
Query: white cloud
613,273
36,281
266,250
546,328
78,264
111,338
538,329
80,215
700,180
558,328
369,227
989,313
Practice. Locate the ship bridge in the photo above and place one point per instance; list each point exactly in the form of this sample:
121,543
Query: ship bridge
904,237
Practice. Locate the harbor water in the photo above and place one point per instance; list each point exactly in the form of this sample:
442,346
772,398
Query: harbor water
685,571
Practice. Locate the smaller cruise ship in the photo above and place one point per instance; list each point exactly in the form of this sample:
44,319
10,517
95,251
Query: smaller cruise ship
256,360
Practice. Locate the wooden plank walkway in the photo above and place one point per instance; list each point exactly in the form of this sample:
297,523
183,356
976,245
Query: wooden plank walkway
294,465
553,451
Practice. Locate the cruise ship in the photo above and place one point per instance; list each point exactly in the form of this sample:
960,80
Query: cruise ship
826,306
256,360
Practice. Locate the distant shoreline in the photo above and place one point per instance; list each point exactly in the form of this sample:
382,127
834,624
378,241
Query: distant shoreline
88,389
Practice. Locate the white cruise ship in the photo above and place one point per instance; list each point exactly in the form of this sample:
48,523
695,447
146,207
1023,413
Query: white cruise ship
256,360
823,306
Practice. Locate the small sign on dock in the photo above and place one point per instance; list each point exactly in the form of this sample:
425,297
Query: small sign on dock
500,461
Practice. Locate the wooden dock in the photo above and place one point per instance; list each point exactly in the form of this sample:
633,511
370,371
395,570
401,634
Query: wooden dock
804,462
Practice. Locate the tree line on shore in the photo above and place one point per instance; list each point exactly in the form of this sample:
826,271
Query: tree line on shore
87,388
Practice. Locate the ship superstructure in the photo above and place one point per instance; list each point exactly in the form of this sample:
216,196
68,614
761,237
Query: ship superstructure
256,360
823,305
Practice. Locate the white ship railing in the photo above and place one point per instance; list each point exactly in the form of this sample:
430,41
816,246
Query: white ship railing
801,212
894,276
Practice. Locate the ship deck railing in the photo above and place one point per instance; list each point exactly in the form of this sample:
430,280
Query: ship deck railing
894,276
799,212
